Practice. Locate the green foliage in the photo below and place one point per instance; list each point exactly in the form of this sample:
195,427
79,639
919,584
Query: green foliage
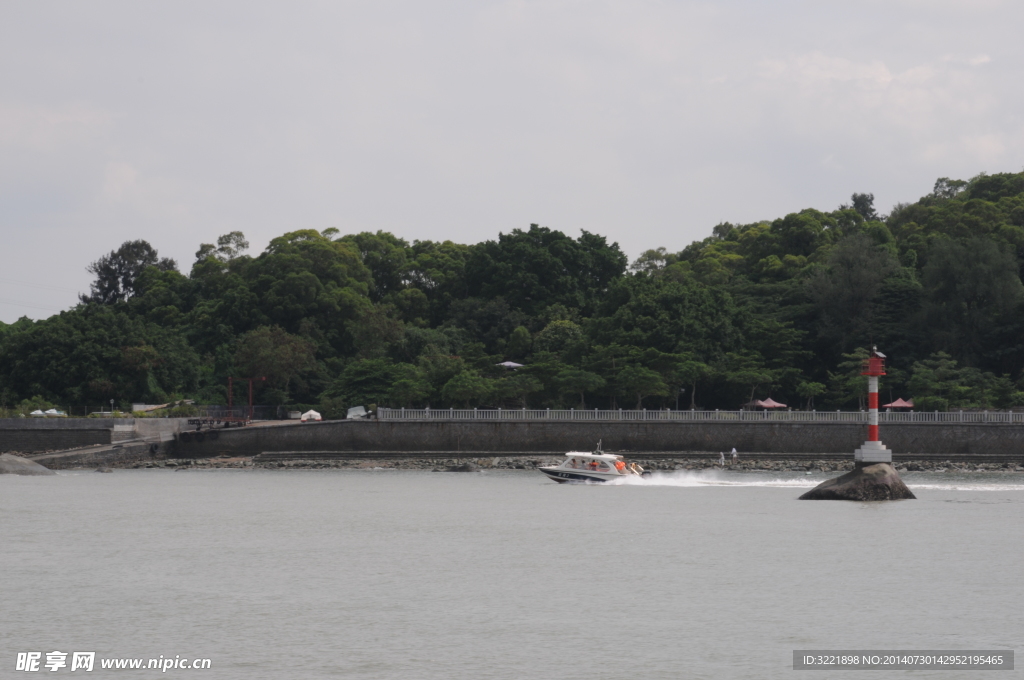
271,354
466,387
781,307
642,382
118,272
938,384
575,381
517,386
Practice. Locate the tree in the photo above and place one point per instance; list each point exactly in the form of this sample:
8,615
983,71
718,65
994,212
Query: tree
642,382
378,381
386,256
519,343
557,336
746,369
690,372
849,383
845,292
229,246
518,386
270,352
537,268
969,287
117,272
467,387
409,386
576,381
810,390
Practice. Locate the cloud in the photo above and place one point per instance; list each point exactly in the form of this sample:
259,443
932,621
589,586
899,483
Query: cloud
647,121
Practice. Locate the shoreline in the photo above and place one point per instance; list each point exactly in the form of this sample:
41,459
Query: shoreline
533,462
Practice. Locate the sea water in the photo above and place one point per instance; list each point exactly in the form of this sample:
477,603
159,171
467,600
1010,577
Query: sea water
373,574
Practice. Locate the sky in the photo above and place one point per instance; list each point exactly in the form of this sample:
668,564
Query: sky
648,122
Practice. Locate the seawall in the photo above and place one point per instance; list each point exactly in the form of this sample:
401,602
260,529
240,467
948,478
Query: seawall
33,435
450,437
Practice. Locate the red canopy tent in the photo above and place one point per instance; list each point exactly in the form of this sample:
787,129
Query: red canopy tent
770,403
899,403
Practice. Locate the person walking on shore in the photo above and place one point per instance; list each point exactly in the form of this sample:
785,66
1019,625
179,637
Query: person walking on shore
734,456
721,459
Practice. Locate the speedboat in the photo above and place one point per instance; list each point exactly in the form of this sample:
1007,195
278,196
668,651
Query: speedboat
597,466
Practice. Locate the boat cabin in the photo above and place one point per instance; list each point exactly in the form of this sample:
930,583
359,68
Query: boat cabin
595,462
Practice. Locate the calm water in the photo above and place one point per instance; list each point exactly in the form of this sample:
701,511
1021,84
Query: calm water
405,574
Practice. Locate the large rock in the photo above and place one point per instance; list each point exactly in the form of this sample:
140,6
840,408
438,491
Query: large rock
875,482
16,465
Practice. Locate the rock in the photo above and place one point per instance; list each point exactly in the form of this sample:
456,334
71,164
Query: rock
465,467
16,465
876,482
104,469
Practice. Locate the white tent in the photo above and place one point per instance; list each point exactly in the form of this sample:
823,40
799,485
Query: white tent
509,364
37,414
311,415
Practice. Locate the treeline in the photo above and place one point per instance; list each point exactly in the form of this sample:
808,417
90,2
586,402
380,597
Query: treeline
784,308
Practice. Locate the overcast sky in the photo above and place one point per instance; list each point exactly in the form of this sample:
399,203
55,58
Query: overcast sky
648,122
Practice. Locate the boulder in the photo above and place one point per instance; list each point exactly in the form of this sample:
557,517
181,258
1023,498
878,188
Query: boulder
465,467
16,465
874,482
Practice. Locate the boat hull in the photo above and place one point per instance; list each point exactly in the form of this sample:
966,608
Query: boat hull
571,476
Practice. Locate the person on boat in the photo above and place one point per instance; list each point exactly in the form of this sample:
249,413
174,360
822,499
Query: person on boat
593,465
620,467
572,463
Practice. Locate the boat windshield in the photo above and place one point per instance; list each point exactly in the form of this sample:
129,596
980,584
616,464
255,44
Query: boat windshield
587,464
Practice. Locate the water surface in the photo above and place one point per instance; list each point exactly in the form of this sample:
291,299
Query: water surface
406,574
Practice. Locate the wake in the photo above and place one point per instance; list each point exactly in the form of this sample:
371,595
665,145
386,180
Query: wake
690,478
700,478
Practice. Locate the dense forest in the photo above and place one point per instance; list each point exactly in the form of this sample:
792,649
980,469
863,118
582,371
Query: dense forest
784,308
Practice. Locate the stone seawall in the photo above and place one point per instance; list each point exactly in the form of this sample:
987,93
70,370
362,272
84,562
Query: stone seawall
34,435
553,437
27,435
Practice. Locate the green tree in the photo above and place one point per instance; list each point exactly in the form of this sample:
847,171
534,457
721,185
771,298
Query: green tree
848,383
745,369
557,336
270,352
969,287
808,391
643,382
517,386
519,343
575,381
467,388
117,271
539,267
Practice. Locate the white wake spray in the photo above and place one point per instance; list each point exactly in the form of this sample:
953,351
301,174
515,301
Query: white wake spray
692,478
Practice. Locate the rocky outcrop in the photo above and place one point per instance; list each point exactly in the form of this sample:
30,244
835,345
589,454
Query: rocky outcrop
16,465
875,482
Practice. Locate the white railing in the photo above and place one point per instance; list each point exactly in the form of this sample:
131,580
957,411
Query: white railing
630,415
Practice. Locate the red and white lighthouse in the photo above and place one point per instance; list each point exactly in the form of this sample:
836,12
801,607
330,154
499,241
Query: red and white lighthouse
873,451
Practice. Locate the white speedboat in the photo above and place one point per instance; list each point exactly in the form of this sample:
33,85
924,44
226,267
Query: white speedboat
598,466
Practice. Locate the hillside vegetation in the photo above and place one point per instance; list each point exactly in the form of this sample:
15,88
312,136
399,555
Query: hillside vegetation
784,308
